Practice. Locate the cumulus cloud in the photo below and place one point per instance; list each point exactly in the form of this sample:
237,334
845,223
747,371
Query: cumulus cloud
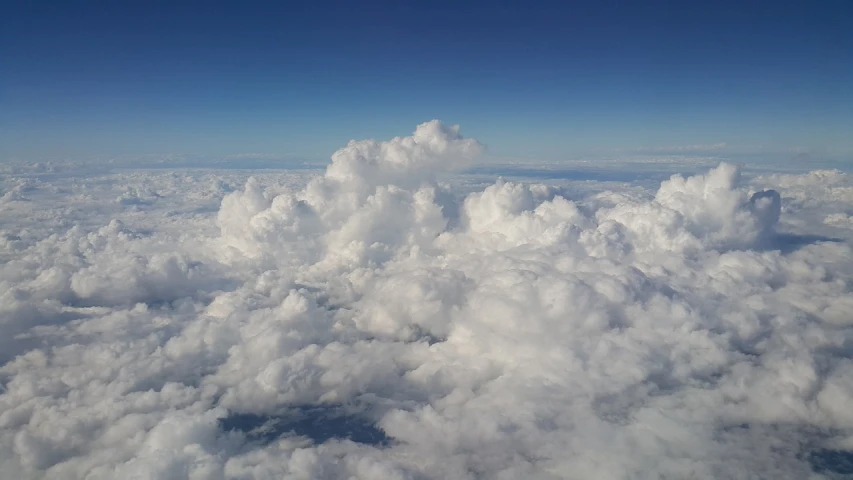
371,322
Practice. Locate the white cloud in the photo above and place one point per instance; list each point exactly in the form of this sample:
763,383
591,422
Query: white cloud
271,330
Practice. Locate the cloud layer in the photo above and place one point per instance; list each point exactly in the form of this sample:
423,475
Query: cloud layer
373,322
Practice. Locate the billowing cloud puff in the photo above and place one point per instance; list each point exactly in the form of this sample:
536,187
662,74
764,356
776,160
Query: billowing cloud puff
403,160
370,322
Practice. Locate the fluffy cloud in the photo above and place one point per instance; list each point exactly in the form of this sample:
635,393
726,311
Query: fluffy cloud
371,322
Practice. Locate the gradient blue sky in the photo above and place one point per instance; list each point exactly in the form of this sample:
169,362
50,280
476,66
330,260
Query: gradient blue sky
559,80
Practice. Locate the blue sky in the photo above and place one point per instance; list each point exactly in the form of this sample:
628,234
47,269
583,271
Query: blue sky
561,80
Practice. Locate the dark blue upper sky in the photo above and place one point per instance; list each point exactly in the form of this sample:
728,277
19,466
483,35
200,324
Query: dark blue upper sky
542,80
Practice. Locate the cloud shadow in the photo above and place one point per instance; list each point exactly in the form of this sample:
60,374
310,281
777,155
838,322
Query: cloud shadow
832,461
319,423
789,242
